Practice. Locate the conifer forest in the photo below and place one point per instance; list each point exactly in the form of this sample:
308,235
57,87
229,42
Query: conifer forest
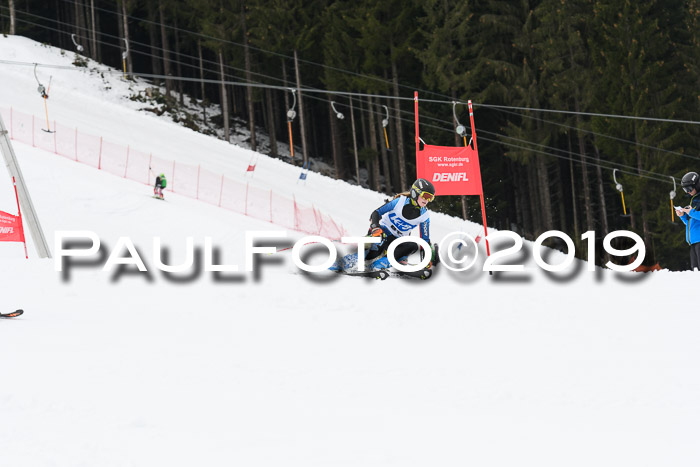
573,99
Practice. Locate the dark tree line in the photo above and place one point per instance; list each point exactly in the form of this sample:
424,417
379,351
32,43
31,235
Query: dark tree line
541,170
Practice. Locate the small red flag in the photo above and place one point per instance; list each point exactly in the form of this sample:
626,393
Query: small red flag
11,228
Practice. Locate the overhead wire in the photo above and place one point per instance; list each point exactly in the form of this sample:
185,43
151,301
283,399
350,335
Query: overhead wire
621,167
572,156
493,106
603,135
153,47
353,95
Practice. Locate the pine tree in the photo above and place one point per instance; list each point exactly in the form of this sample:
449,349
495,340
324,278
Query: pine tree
640,69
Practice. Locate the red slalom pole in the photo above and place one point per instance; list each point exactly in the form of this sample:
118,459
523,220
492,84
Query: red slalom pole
19,214
483,207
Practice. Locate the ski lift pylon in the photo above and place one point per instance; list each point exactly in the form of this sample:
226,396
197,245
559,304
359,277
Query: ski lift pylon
460,129
338,114
618,187
672,195
385,123
291,115
125,54
45,95
78,47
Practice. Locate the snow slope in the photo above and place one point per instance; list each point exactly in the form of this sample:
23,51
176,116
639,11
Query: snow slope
578,368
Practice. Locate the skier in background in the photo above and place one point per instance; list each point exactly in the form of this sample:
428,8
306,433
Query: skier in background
399,217
161,183
690,215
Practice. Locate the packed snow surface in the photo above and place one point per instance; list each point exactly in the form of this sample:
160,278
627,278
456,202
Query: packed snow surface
277,368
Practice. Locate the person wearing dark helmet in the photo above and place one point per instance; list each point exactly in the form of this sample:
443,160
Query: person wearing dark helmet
399,217
161,183
690,215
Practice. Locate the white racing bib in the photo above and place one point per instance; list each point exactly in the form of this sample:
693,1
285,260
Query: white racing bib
397,224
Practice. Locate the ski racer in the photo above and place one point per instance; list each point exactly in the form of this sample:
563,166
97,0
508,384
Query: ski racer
161,183
397,218
690,215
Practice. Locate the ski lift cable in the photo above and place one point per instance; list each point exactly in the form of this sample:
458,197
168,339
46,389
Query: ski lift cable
253,85
602,135
494,106
655,175
146,54
251,47
574,156
427,117
589,114
571,157
499,135
214,70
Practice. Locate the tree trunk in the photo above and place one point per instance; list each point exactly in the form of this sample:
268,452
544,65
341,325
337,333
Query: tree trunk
373,146
334,140
354,143
224,99
164,39
534,198
271,127
13,17
178,59
248,77
590,223
153,41
545,196
601,194
99,44
93,34
201,76
300,102
120,23
81,26
365,142
399,130
603,205
60,23
284,81
520,181
577,230
562,224
645,211
385,157
129,64
458,142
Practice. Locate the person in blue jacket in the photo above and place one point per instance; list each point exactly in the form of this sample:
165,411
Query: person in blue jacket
690,215
399,217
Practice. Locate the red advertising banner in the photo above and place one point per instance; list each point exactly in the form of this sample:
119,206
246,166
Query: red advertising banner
11,228
453,170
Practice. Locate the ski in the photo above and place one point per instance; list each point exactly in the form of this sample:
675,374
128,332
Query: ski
423,274
380,274
13,314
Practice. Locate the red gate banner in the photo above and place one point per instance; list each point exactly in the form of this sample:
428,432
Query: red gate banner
453,170
11,228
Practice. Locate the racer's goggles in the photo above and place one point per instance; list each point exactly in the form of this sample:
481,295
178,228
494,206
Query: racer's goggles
427,196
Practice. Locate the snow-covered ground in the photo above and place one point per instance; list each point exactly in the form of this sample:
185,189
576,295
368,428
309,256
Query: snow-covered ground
107,369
